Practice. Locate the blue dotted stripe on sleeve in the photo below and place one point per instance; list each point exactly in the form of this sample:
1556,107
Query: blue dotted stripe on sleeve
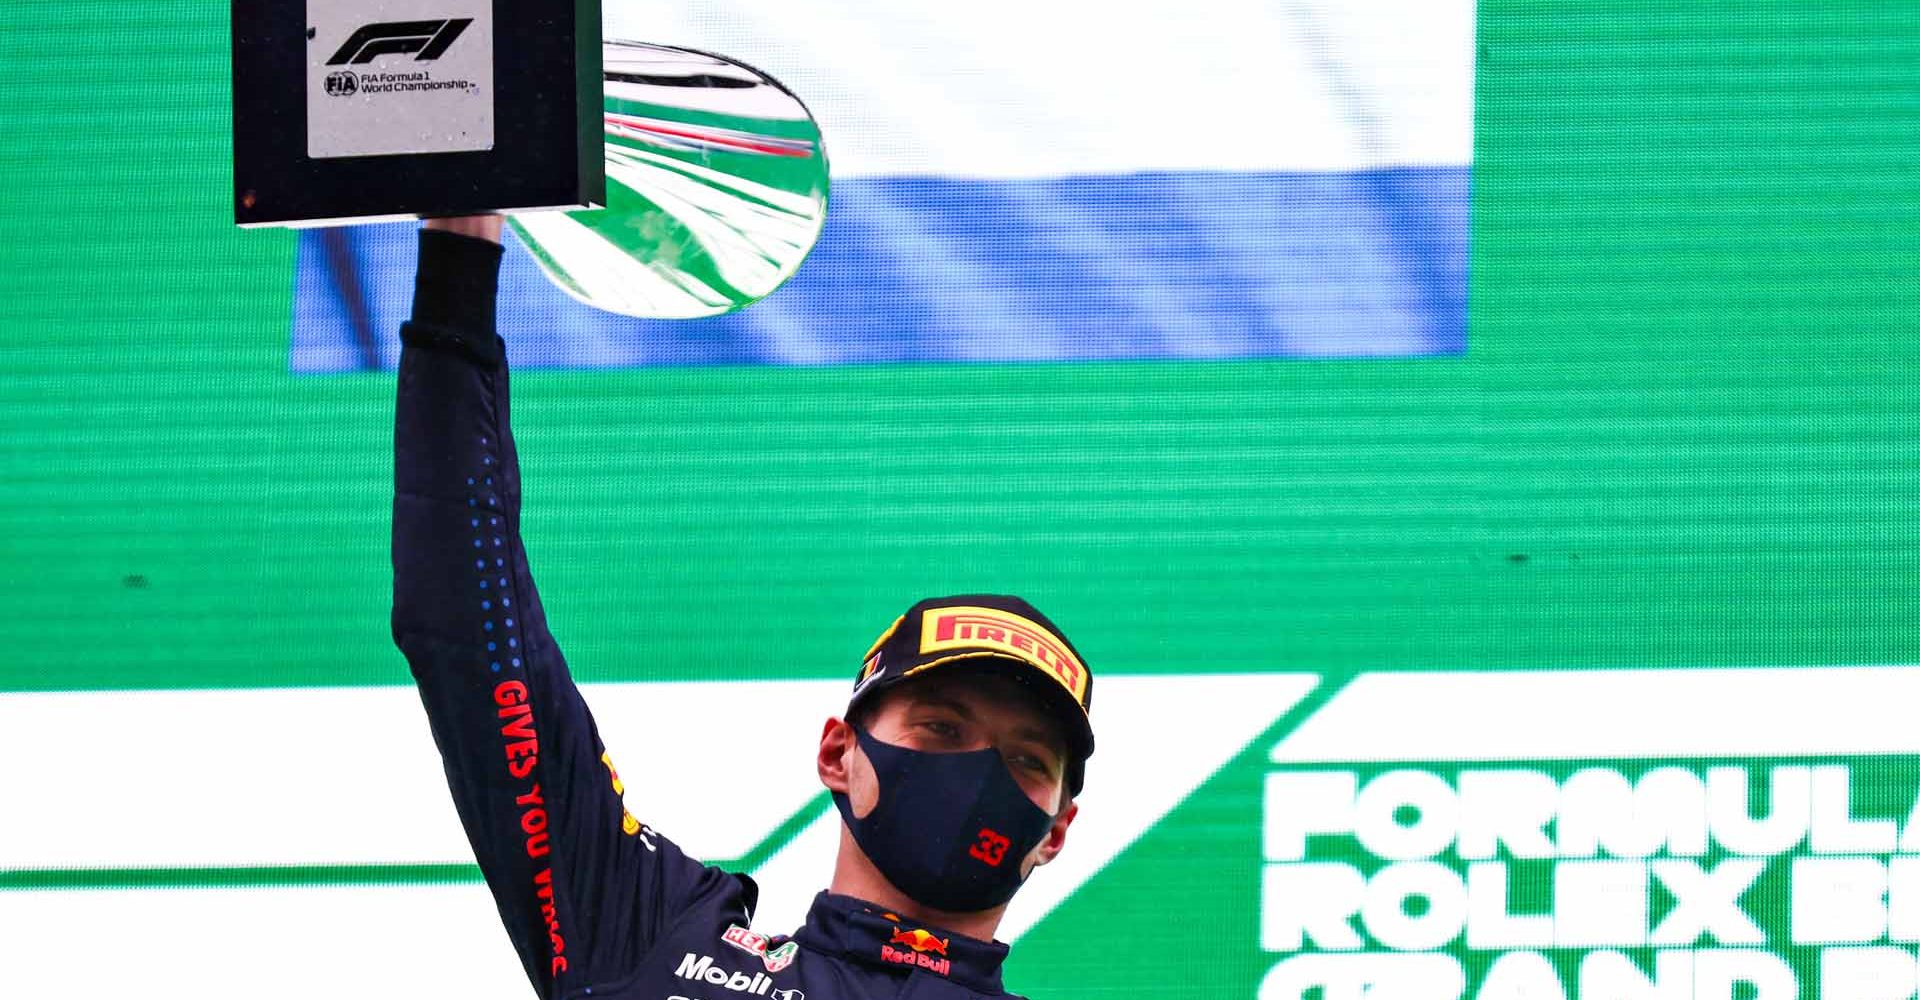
499,585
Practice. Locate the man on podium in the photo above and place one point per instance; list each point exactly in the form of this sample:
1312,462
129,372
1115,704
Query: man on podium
955,769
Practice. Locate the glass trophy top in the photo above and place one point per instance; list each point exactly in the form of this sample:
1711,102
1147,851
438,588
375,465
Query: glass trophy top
716,190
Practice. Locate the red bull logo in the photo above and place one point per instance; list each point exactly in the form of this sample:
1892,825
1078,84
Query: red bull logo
918,943
1004,632
920,939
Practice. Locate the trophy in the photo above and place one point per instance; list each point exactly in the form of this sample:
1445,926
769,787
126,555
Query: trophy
644,179
716,185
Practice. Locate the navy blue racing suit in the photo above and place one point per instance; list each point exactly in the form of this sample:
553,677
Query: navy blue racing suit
597,904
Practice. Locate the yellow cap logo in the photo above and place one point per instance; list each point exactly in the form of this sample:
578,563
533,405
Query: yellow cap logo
1005,632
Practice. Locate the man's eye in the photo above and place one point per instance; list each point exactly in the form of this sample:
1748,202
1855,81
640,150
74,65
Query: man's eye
1031,763
946,729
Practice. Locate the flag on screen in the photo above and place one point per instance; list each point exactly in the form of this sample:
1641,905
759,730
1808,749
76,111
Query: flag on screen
1013,183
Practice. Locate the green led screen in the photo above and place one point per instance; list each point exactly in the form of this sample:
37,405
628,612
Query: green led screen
1420,623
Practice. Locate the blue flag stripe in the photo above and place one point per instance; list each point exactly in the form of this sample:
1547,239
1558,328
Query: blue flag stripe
1140,266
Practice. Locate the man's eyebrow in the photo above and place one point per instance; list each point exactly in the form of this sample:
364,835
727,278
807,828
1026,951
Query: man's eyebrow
1040,736
942,701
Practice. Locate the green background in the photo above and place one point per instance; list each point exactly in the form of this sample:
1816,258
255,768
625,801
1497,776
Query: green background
1683,433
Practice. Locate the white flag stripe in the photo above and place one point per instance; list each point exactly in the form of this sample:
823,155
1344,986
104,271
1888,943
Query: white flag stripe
1159,738
312,943
1603,714
1043,88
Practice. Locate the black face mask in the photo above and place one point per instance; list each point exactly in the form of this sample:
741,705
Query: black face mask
950,829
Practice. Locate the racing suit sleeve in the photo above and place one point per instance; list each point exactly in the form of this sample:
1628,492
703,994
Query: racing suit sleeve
582,886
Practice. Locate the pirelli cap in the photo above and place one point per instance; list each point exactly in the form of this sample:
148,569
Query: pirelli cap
990,631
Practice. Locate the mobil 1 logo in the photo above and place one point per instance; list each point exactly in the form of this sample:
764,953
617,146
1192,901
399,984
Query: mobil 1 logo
386,77
1672,879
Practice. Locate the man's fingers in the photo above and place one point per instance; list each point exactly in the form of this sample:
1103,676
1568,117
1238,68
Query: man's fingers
486,227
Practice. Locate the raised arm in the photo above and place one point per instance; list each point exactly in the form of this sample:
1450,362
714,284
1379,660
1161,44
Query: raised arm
582,887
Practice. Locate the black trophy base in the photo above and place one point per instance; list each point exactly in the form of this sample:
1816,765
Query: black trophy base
547,145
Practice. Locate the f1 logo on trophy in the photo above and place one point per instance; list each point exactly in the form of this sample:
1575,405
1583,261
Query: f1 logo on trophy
632,171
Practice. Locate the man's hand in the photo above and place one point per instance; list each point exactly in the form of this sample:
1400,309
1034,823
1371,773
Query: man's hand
486,227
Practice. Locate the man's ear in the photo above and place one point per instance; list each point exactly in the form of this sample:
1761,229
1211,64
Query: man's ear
836,743
1056,837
